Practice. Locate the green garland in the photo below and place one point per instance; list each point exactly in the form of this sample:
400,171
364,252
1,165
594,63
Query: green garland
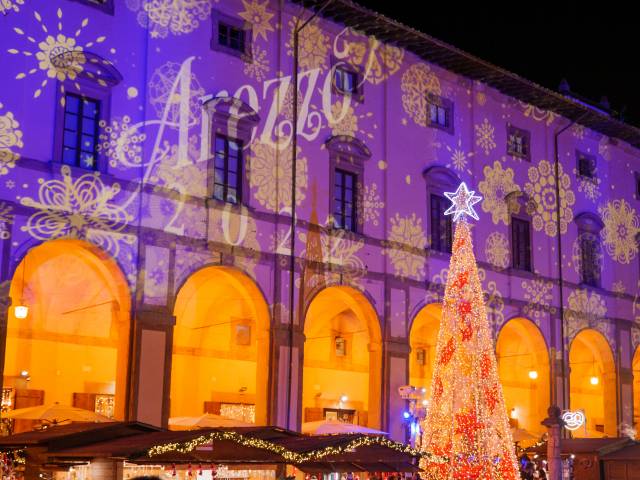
288,455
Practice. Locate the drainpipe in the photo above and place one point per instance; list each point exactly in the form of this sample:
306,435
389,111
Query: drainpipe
294,147
565,383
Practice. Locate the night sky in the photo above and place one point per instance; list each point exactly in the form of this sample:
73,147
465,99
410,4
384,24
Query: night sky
596,49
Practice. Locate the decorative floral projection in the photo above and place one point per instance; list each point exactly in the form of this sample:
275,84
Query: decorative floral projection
539,294
619,288
59,56
485,136
7,6
586,309
406,245
538,114
313,45
343,123
82,208
257,66
163,98
589,186
377,61
270,176
418,81
498,250
541,189
621,225
162,17
372,204
10,140
460,158
121,142
255,12
497,184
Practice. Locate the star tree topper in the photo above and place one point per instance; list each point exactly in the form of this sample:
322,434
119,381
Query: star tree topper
463,201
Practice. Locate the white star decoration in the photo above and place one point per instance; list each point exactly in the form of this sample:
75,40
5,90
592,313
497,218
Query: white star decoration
463,201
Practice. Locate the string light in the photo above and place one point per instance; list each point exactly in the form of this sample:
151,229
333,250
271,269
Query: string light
594,380
533,374
467,419
289,455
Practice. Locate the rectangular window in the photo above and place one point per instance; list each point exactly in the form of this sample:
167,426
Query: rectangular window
518,142
590,269
345,81
521,244
344,200
586,165
637,178
80,131
441,225
227,170
439,113
231,37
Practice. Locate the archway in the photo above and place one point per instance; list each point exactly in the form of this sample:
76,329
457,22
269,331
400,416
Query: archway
72,346
422,339
220,361
523,369
342,358
592,384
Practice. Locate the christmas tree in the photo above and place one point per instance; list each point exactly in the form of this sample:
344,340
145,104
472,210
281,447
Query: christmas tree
466,429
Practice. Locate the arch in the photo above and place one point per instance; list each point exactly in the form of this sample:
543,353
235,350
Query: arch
520,204
101,70
589,222
342,357
423,337
592,383
73,346
221,345
523,368
439,177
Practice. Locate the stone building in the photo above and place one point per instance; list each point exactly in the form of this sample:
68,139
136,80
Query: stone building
148,186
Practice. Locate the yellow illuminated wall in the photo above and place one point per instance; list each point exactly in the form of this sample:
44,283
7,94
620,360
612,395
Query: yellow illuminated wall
590,358
76,335
636,390
423,337
342,312
523,368
221,335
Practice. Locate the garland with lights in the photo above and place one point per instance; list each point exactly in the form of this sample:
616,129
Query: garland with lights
289,455
467,419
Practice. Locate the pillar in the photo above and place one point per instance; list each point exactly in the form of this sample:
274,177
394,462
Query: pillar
150,373
554,426
396,367
5,305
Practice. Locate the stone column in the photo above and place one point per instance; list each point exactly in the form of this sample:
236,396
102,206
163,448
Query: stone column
150,370
554,426
5,305
396,369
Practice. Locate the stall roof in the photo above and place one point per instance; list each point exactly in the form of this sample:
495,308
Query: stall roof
435,51
627,453
597,446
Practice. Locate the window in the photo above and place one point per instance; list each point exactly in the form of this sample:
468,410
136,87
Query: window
227,170
521,244
586,165
440,113
344,200
345,81
80,131
590,259
518,142
231,37
441,225
637,178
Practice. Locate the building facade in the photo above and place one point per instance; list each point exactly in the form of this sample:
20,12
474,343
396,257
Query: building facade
150,267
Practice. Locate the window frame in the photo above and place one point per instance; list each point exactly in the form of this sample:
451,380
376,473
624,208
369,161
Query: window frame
447,219
637,185
354,199
512,130
240,173
580,155
217,18
80,132
590,224
440,102
438,180
515,219
88,89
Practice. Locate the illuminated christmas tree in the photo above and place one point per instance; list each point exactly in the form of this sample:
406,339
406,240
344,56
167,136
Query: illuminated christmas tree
466,422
